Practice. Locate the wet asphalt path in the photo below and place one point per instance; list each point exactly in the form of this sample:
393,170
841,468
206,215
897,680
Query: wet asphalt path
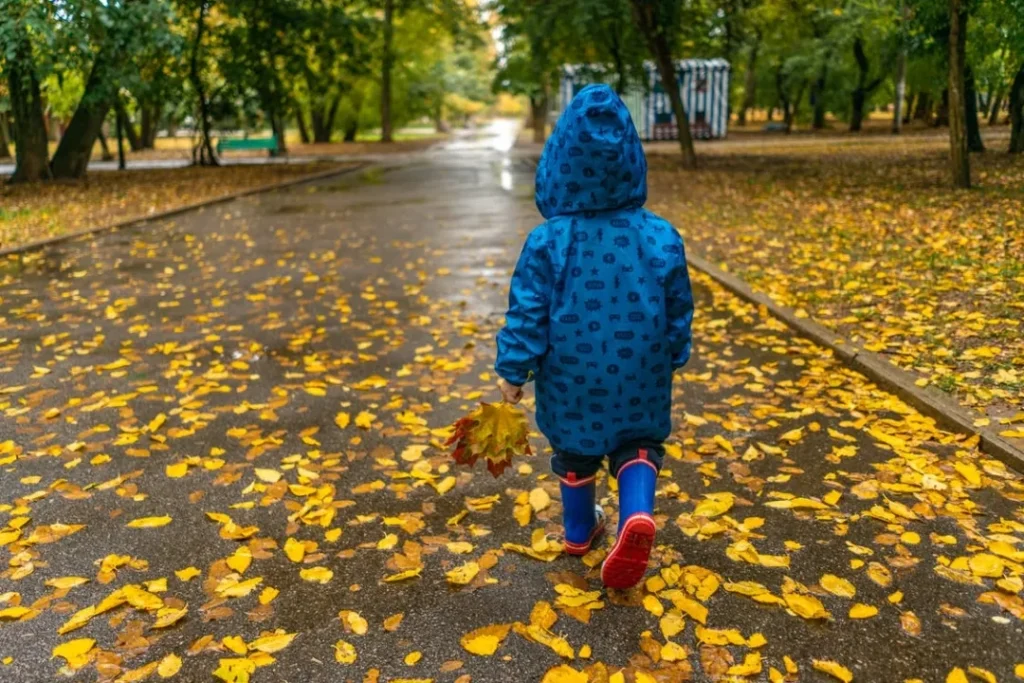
251,325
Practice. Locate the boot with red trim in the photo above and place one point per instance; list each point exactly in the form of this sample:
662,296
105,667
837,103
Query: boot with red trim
582,517
627,562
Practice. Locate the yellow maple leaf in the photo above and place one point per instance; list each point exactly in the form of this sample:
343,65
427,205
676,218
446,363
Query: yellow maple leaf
177,470
353,622
838,586
345,652
957,675
169,666
751,666
316,574
674,652
563,673
862,611
714,504
986,565
463,574
691,608
168,616
75,652
267,475
833,669
403,576
539,499
653,605
485,641
295,550
272,643
235,670
806,606
16,612
672,624
149,522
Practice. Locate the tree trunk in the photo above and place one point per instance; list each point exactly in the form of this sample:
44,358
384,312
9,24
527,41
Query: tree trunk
203,153
71,160
863,89
121,165
615,49
323,116
960,160
899,102
995,105
783,95
974,141
750,83
5,151
1017,113
908,111
901,74
857,116
300,119
105,147
352,126
127,127
150,123
278,130
923,108
438,116
657,42
795,108
31,152
818,97
385,75
539,117
316,118
942,110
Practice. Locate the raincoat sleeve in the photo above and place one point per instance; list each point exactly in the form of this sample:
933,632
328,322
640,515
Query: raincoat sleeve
679,309
524,339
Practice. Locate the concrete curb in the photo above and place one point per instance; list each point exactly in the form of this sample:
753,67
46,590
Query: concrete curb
160,215
875,367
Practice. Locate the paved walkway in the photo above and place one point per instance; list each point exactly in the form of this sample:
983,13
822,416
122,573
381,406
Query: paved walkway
261,382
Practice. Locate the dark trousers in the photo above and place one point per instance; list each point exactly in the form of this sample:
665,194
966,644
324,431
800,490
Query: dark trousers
584,466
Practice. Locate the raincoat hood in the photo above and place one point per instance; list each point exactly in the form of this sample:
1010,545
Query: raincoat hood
593,160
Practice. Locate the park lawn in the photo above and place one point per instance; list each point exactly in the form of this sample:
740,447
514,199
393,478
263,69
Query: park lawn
866,237
38,211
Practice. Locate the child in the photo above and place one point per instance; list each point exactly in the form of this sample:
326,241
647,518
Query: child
599,315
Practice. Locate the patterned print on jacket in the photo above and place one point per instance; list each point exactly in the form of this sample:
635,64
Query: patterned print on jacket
600,305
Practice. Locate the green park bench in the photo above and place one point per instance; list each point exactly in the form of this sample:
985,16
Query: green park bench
246,144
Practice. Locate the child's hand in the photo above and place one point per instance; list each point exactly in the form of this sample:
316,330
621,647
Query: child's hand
510,393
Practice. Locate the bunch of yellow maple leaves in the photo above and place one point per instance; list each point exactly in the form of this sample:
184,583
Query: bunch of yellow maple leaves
496,432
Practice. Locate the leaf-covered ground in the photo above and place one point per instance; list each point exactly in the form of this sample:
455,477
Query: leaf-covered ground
221,459
865,236
38,211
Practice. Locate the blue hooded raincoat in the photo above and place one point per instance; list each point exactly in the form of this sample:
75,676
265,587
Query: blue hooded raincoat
600,305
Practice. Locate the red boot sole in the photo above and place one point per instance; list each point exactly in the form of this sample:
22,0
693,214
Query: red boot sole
626,564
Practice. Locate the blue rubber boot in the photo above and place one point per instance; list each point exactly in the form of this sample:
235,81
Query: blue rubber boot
582,517
626,563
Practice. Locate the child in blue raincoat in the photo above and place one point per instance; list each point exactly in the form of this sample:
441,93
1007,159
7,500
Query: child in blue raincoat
599,316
